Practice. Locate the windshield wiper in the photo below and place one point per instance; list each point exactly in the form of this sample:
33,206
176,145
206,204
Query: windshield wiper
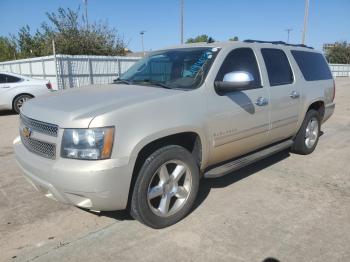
121,81
160,84
154,83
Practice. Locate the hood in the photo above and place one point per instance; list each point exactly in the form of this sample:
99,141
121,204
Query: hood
78,106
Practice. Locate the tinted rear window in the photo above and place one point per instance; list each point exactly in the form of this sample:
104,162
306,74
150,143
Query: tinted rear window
312,65
12,79
2,79
277,66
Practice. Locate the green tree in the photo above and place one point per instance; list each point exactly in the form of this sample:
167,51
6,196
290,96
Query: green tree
30,45
71,35
200,38
339,54
235,38
7,49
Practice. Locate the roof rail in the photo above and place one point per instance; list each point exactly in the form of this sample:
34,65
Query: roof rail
276,43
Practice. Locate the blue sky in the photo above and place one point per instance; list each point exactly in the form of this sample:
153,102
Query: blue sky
329,20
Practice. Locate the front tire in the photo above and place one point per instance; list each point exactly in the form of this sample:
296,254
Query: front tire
19,101
166,187
307,137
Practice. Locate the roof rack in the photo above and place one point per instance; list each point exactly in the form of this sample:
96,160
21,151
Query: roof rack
276,43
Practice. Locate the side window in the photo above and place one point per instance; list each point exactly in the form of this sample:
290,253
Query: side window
241,59
2,79
277,66
12,79
312,65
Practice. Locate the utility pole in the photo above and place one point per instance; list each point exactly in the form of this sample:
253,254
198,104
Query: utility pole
55,60
306,17
182,21
86,14
143,47
288,33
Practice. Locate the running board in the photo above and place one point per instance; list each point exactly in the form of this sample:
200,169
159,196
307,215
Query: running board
246,160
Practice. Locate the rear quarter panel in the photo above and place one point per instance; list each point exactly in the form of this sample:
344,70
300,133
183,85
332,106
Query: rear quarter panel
311,91
35,89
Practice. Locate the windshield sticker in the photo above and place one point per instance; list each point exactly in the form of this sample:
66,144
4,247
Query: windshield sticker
200,62
158,56
214,49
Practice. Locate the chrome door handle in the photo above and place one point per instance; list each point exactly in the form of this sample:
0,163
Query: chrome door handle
261,101
294,94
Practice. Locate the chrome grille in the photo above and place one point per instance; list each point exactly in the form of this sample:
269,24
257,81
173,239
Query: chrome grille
41,148
41,127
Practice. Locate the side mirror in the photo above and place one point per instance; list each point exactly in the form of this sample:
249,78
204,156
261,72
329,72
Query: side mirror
234,81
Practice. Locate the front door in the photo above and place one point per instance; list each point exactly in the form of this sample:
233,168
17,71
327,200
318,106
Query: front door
239,120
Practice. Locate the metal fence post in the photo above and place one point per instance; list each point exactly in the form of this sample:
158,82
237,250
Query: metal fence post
70,72
43,68
61,67
55,61
90,72
119,67
30,69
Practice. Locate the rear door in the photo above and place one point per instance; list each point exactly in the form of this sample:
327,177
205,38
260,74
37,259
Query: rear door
8,88
12,80
238,123
3,90
284,94
8,81
3,82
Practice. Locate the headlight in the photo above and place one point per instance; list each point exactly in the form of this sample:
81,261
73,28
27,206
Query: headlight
90,144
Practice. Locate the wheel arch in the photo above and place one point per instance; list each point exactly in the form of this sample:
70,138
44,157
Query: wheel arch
318,105
20,94
191,140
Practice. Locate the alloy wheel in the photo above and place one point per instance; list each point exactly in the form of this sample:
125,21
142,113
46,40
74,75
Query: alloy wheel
169,188
311,133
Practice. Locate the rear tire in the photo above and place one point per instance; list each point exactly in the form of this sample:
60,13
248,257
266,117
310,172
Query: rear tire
307,137
18,102
166,187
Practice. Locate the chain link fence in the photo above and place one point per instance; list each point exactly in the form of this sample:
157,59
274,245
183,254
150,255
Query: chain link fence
340,70
67,71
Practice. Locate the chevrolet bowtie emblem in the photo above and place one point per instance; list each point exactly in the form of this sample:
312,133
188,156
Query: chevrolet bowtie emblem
26,132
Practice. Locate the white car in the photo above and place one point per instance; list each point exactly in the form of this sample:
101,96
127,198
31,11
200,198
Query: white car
16,89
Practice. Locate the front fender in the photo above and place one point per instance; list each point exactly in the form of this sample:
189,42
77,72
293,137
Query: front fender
173,131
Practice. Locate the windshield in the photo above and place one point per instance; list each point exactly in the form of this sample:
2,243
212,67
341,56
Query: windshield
184,68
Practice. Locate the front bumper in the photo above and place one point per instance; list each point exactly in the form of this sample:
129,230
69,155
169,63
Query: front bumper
328,112
101,185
